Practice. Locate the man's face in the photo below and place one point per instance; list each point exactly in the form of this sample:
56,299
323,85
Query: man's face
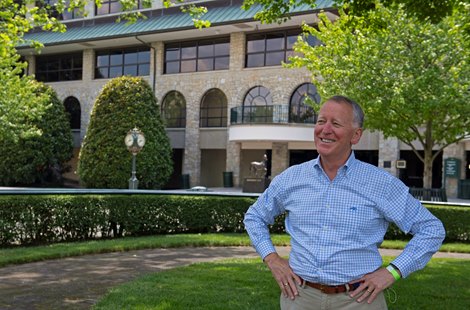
335,132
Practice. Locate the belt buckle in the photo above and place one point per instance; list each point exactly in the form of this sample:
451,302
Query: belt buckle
323,288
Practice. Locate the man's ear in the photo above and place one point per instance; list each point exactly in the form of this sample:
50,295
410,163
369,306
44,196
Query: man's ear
357,136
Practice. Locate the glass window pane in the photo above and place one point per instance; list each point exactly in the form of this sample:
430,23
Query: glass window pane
172,53
103,10
53,76
78,61
188,52
115,7
115,72
205,64
254,46
188,66
52,65
222,63
172,67
291,41
66,63
144,69
275,42
206,50
255,60
274,58
102,60
101,73
115,58
130,58
144,57
130,70
222,49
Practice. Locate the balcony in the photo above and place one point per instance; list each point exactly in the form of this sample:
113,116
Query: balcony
271,114
271,123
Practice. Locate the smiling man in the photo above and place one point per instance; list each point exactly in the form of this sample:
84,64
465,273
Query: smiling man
338,211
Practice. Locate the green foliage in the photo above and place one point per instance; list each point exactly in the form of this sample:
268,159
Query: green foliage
124,103
30,219
411,77
34,147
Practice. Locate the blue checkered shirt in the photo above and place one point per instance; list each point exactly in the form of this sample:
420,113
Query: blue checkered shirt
336,227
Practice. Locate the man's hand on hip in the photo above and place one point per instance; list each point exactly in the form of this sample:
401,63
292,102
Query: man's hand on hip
285,277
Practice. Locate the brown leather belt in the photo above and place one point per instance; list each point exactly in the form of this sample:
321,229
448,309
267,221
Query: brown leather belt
328,289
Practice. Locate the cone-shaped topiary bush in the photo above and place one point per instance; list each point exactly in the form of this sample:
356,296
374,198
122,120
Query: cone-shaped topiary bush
104,162
38,153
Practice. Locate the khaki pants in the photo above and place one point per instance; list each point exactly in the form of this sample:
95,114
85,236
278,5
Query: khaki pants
313,299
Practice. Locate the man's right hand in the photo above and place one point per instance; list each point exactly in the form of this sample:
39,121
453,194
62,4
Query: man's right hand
285,277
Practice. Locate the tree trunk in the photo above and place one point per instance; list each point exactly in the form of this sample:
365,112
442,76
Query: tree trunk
427,175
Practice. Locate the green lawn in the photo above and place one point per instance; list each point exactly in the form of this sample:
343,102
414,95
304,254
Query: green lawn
247,284
19,255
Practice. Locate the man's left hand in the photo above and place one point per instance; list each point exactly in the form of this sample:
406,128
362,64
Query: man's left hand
372,284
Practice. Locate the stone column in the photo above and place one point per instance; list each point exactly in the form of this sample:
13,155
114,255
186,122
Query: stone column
389,152
456,150
233,161
192,151
237,51
280,158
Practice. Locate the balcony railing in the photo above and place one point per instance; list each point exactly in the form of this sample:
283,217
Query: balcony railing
271,114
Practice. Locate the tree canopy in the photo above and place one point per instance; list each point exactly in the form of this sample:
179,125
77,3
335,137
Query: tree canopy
411,77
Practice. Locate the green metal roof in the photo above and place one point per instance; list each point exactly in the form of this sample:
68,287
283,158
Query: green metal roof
155,24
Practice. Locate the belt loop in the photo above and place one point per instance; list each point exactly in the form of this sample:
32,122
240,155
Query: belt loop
347,287
303,283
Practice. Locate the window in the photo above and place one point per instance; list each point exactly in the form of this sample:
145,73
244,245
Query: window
114,6
258,106
195,56
119,62
271,49
72,107
213,109
174,110
299,109
50,5
56,68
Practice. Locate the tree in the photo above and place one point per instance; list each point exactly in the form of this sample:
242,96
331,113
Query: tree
411,77
40,144
104,161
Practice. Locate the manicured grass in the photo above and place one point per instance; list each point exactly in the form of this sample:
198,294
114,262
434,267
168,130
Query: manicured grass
19,255
248,284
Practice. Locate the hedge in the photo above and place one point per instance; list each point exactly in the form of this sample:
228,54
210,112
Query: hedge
40,219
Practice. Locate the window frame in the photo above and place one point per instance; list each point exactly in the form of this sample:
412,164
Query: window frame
113,55
50,65
303,113
195,60
263,48
180,120
206,118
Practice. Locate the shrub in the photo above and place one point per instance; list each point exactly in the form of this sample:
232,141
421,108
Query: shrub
31,219
104,161
37,154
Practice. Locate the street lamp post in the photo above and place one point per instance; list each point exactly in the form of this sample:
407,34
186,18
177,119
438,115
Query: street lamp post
135,141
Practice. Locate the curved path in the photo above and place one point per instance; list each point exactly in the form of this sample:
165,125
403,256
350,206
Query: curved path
79,282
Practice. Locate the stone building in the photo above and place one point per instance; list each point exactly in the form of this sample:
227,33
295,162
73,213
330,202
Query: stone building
223,92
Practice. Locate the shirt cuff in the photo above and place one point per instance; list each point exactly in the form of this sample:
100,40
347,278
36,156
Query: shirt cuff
265,248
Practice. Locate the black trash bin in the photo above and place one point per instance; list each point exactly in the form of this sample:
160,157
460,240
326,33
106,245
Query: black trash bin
228,178
463,191
185,181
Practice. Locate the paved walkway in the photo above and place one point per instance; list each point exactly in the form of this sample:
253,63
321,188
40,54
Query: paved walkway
79,282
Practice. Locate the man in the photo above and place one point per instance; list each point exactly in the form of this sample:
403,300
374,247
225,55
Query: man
338,211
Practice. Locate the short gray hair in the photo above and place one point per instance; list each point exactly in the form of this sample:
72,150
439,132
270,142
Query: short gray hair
358,113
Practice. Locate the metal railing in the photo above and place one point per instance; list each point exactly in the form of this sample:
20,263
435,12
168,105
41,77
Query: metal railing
271,114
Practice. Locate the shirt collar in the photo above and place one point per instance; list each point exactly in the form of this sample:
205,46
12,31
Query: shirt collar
346,167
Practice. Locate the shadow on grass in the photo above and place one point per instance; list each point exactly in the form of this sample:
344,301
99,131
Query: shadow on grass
248,284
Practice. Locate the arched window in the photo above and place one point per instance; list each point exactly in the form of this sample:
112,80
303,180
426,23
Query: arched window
299,110
258,106
213,109
174,110
72,107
